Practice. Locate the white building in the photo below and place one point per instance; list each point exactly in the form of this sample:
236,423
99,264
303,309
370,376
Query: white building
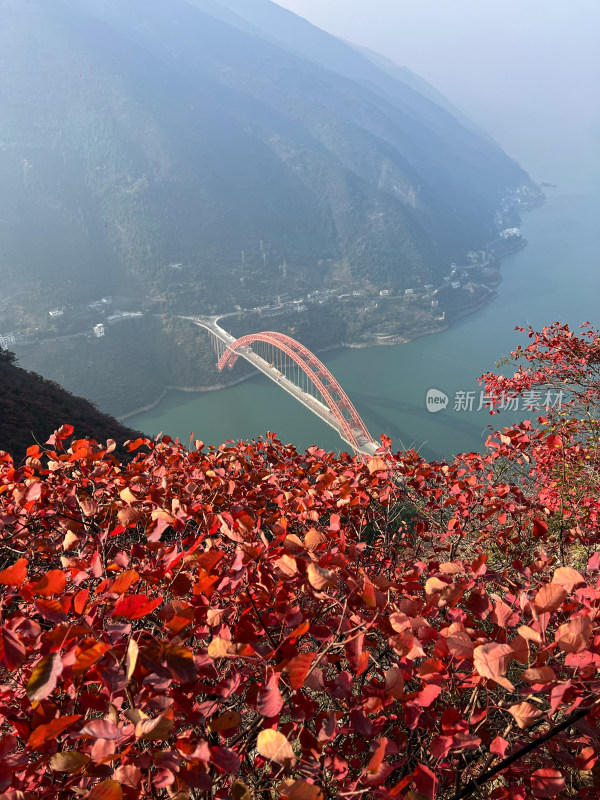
99,330
7,339
57,312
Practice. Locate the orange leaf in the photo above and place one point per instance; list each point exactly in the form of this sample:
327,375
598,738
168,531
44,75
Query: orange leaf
394,682
223,648
239,791
320,578
70,762
574,636
299,667
538,675
491,660
567,577
107,790
433,585
44,677
225,722
180,660
50,730
274,746
377,464
528,633
15,575
524,714
313,539
460,644
124,581
53,582
299,790
128,496
88,657
550,597
156,729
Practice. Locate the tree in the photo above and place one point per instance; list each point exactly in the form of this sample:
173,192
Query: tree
8,356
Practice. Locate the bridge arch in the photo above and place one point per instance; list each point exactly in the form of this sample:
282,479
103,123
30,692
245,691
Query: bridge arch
339,404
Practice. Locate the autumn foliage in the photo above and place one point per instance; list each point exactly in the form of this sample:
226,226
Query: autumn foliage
253,622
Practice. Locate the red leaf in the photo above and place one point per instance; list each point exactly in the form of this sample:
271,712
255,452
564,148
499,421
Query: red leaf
15,575
547,783
12,649
428,695
135,606
499,747
51,609
269,702
225,759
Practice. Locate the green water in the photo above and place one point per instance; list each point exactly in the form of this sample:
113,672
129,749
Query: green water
557,277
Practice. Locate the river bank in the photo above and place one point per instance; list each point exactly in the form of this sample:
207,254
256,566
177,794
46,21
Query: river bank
428,331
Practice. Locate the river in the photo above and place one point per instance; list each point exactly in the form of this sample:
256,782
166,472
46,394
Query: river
557,277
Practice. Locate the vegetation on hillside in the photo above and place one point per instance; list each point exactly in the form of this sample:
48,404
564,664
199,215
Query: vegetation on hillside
253,622
31,406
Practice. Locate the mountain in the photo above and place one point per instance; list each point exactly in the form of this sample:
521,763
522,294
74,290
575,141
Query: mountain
31,408
229,138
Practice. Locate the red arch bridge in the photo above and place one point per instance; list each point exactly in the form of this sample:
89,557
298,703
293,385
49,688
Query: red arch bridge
294,368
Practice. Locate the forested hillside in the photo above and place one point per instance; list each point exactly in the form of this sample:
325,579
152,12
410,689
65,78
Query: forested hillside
31,408
142,134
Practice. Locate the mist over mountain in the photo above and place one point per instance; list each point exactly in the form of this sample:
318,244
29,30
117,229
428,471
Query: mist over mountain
229,137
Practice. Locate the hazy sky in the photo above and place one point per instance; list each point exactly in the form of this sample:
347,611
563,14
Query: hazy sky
513,65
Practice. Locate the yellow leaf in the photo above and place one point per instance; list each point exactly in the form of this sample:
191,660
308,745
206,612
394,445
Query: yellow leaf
274,746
